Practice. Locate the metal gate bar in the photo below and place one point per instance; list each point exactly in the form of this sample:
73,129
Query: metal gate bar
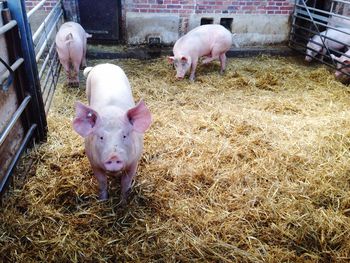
43,40
38,116
35,8
14,119
32,109
14,66
47,19
323,12
26,103
310,16
15,159
47,38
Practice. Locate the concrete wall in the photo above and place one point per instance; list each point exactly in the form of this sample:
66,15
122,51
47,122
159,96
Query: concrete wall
142,26
262,29
255,22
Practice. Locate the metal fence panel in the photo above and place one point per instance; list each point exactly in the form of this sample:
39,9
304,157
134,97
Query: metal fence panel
308,20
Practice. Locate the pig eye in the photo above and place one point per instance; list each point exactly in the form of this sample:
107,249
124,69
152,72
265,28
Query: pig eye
101,138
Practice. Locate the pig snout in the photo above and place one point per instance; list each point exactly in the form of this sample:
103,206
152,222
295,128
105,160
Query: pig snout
308,58
113,163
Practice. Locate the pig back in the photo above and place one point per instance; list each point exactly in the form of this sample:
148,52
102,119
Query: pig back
67,48
107,85
201,40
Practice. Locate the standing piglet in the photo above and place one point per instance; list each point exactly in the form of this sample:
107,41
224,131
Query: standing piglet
316,45
212,41
112,126
71,48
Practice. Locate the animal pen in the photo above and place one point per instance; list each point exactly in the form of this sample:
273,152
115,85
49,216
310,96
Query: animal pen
248,166
311,18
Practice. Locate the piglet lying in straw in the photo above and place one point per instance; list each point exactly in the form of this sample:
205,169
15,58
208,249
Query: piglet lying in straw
71,41
212,41
112,126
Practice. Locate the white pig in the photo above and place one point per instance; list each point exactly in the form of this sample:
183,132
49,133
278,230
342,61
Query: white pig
343,64
212,41
315,44
71,41
112,126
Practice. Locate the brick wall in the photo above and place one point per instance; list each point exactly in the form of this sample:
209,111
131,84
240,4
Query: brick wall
184,7
47,6
197,6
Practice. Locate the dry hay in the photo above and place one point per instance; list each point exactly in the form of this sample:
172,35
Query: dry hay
251,166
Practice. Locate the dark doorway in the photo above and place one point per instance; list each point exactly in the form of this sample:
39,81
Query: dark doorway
101,19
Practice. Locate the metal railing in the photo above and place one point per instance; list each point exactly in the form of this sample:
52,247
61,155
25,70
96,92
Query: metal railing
308,21
7,28
45,53
36,72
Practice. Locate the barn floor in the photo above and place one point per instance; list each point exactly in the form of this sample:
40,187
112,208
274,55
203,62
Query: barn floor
252,166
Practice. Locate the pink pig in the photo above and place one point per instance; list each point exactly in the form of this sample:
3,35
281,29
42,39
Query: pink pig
316,46
71,48
212,41
343,64
112,126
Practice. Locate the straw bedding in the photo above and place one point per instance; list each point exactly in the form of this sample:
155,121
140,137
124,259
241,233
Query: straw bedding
252,166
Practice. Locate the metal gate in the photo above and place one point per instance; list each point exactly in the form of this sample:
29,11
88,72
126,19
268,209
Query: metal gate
45,54
312,17
31,74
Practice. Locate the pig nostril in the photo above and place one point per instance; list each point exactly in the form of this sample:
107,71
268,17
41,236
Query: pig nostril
118,162
109,162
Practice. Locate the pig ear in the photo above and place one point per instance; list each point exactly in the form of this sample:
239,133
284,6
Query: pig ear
140,117
171,60
86,119
184,59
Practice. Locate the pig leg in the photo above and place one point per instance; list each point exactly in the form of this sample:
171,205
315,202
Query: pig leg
222,58
215,54
76,67
102,184
126,182
209,59
193,69
322,52
83,61
65,65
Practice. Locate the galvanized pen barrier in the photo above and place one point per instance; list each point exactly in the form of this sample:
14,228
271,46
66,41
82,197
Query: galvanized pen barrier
45,53
29,72
308,20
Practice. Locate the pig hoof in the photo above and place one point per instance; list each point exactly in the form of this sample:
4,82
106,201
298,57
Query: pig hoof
103,196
